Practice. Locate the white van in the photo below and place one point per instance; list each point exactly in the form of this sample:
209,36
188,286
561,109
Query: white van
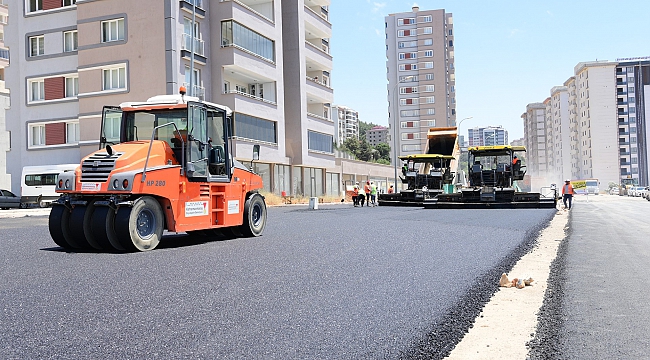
37,183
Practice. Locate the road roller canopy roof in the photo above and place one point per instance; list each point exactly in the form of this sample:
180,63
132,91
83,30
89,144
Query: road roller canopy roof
495,150
170,102
425,157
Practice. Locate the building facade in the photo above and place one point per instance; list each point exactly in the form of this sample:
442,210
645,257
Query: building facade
5,139
71,58
421,76
346,123
377,135
487,136
573,134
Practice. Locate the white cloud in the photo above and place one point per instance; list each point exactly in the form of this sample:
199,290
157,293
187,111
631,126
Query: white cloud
376,7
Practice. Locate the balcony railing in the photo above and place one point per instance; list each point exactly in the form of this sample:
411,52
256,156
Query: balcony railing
324,49
199,45
318,116
268,18
318,82
250,96
199,91
198,3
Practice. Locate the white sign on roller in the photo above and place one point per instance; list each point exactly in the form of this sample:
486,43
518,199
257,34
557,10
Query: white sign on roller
196,208
233,207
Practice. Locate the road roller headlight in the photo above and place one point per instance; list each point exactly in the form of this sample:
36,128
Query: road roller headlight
125,183
67,184
116,183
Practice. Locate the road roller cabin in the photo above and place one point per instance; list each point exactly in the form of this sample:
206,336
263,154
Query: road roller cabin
163,164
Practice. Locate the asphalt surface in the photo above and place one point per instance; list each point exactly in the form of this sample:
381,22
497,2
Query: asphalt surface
596,305
339,282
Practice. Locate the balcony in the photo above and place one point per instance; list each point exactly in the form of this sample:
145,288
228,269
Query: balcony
187,6
197,91
260,8
199,45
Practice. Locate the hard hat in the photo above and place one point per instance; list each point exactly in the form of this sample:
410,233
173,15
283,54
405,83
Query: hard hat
567,180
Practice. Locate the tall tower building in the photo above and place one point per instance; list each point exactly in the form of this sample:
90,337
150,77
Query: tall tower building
632,85
421,76
487,136
5,139
346,123
535,138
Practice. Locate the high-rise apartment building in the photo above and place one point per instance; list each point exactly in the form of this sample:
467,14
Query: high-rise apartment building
377,135
421,76
346,123
487,136
632,85
535,138
573,133
74,57
5,140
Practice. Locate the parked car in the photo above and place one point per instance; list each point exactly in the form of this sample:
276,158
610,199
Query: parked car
635,191
613,191
641,191
8,200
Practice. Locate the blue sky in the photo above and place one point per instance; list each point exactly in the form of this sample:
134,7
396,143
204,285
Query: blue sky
508,53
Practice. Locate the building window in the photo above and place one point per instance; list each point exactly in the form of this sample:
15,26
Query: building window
114,78
71,86
36,45
411,101
429,88
37,133
407,21
72,132
451,43
35,5
407,44
408,90
70,41
409,124
320,142
254,128
233,33
414,147
429,100
451,32
404,33
428,42
113,30
69,2
428,30
428,65
408,67
431,123
409,113
37,90
410,136
426,18
428,76
431,111
428,53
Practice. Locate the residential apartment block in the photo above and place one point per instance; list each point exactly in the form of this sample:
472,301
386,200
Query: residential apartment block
487,136
577,137
346,123
5,140
377,135
267,60
421,76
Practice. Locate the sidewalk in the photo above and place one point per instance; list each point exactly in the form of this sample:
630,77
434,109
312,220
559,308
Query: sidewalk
16,213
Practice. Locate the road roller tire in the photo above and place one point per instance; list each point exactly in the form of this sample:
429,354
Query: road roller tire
58,225
254,216
140,228
76,225
102,228
93,241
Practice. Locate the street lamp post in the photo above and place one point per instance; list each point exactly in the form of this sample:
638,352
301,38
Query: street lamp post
395,123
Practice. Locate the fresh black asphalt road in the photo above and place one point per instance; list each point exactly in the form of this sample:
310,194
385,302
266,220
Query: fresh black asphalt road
596,306
339,283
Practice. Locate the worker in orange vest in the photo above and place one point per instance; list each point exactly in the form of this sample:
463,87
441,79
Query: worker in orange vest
514,160
367,189
355,194
390,189
567,193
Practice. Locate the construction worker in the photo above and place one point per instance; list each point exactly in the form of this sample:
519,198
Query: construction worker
567,193
361,198
390,189
373,193
355,194
367,189
514,160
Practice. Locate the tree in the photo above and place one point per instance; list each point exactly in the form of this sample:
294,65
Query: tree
384,151
363,127
365,151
